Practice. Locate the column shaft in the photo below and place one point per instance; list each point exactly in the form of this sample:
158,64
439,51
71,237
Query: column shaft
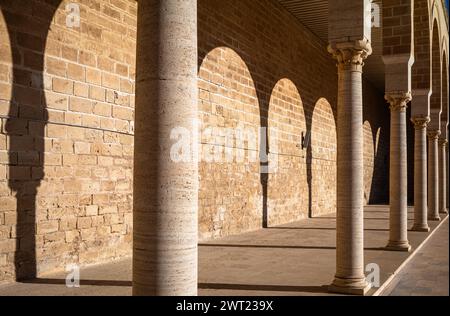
398,173
165,189
433,176
350,277
443,176
420,176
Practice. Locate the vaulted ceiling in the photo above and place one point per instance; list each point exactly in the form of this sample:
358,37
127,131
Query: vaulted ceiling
314,15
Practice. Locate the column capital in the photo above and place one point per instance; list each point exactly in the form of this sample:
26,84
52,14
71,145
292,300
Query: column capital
398,100
434,134
443,142
420,122
350,55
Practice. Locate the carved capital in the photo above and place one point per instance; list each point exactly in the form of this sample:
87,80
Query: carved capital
398,100
433,134
421,123
350,55
443,142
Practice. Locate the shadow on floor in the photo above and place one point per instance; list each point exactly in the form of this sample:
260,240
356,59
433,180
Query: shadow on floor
323,228
265,288
82,282
280,247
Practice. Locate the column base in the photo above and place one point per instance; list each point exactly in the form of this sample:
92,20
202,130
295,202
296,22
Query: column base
399,246
444,211
435,219
350,286
421,228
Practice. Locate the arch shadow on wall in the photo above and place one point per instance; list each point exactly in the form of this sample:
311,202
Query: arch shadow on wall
370,147
264,98
322,159
26,121
228,103
288,190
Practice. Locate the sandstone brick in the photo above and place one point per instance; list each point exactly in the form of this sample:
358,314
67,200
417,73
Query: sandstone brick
67,223
105,161
102,109
123,113
105,63
76,72
108,210
56,101
69,53
92,210
88,234
63,86
122,70
118,229
126,86
87,58
93,76
110,81
82,148
97,221
90,121
72,236
3,260
2,174
97,93
47,227
80,105
75,133
8,203
56,67
54,237
84,222
107,123
4,73
56,131
81,90
72,118
87,160
7,245
122,99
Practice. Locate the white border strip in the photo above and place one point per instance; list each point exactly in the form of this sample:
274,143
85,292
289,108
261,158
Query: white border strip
380,291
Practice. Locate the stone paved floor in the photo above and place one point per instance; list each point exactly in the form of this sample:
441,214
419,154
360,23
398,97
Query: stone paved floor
294,259
427,274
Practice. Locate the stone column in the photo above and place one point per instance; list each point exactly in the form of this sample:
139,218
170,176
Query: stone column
420,175
398,173
433,175
350,277
165,185
443,176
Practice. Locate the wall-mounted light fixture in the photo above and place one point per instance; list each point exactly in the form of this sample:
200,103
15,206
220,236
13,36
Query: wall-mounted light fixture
306,139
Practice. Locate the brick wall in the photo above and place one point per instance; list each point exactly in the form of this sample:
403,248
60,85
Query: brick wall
421,67
67,113
261,67
66,142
